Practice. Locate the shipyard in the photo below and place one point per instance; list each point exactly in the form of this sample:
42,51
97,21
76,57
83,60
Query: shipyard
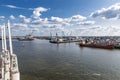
104,42
59,39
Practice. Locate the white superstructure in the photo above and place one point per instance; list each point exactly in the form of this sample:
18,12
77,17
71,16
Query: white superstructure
9,67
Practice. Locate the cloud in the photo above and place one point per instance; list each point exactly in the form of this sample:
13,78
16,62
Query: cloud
37,12
78,18
12,6
112,11
57,19
40,21
2,17
74,18
70,20
24,19
86,23
58,23
21,16
30,8
15,7
20,26
54,24
45,25
11,17
98,31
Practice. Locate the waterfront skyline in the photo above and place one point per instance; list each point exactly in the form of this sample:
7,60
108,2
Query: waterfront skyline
79,17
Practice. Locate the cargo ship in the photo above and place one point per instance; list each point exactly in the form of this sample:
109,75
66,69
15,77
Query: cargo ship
103,46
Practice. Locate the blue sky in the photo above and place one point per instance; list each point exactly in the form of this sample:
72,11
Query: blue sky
81,17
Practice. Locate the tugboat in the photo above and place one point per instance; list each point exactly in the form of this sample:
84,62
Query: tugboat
27,37
9,67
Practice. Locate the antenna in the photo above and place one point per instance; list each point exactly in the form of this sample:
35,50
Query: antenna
10,40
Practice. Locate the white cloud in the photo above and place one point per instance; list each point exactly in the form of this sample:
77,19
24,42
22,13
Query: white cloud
86,23
78,18
30,9
27,20
11,6
40,21
74,18
15,7
37,12
2,17
21,16
55,24
12,17
20,25
108,13
99,31
57,19
24,19
70,21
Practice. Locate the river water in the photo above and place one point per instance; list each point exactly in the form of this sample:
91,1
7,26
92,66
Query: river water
41,60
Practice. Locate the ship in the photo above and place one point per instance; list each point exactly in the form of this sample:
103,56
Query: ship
98,43
103,46
9,66
58,39
28,37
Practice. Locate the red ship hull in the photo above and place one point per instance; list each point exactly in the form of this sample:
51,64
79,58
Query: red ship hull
103,46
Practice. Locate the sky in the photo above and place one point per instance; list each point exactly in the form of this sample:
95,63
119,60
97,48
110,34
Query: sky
71,17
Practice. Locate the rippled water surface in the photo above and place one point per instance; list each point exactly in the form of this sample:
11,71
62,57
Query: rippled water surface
41,60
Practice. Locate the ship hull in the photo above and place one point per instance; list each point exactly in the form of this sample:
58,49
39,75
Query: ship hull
98,46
